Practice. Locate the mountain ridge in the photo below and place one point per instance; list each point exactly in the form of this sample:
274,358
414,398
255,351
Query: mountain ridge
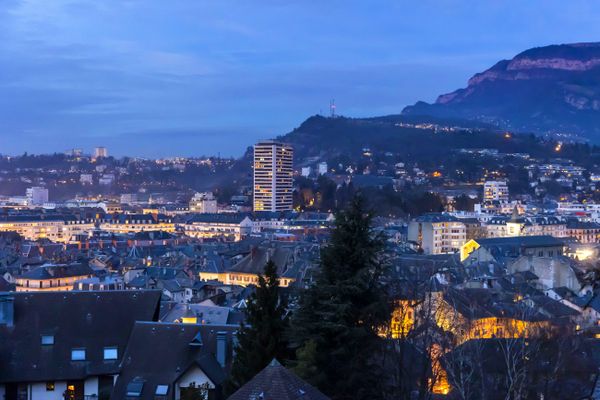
551,89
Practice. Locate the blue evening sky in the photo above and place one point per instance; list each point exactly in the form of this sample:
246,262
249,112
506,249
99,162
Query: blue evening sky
193,77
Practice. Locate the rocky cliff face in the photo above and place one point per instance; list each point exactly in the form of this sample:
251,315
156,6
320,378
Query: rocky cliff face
553,89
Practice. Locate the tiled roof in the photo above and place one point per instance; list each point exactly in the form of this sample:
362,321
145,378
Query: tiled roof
437,217
254,263
77,319
277,382
173,353
51,271
521,241
220,218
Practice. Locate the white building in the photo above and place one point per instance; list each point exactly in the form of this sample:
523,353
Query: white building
322,168
224,226
100,152
495,191
203,203
107,179
273,176
306,171
86,179
437,233
129,198
36,195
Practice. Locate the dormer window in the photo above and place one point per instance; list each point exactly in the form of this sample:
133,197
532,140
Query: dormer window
134,389
111,353
162,390
47,340
197,340
78,354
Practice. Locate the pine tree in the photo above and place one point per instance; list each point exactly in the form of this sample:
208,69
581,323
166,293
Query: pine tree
335,329
260,338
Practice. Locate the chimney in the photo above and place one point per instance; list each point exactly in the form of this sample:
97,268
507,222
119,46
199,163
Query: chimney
221,347
7,310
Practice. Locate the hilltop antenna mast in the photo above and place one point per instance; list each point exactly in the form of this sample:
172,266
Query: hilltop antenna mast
332,108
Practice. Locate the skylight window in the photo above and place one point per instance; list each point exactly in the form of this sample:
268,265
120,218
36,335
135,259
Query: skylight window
110,353
78,355
134,389
161,390
47,340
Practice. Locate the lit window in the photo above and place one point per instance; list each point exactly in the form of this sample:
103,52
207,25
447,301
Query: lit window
110,353
78,355
161,390
47,340
49,386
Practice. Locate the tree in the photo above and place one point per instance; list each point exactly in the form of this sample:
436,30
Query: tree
335,329
464,203
261,337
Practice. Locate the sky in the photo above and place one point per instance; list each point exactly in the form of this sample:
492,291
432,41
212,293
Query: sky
160,78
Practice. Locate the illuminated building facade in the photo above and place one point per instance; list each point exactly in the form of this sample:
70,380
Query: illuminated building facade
51,277
132,223
203,203
225,226
36,195
273,176
100,152
247,271
58,229
495,191
437,233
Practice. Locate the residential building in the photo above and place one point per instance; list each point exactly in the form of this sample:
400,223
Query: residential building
132,223
224,226
100,283
203,203
277,382
100,152
509,248
551,271
322,168
52,277
495,191
56,228
36,195
107,179
584,232
246,271
175,361
129,198
437,233
70,344
526,226
86,179
273,176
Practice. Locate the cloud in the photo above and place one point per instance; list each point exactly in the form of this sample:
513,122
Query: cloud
76,71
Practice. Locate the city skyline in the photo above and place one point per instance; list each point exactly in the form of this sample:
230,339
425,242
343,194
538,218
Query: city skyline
208,79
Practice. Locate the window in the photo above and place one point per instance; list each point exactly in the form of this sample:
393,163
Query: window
49,386
110,353
78,355
47,340
161,390
134,389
